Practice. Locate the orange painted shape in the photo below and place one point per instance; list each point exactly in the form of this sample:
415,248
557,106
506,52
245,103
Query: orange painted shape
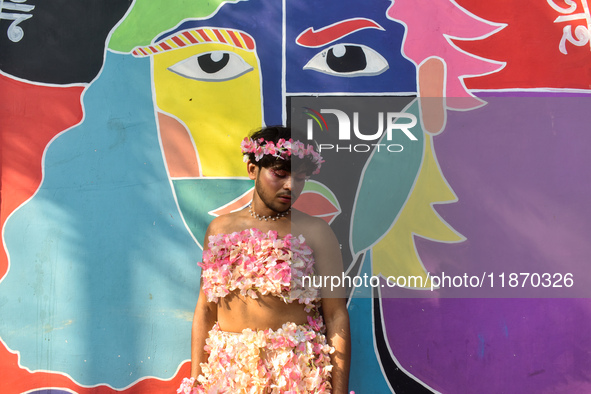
30,116
179,150
431,84
16,380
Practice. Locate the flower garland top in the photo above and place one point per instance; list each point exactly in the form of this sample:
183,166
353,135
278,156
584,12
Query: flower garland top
255,262
283,149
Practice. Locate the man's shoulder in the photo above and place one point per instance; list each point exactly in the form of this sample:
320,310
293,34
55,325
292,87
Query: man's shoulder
301,218
310,226
222,224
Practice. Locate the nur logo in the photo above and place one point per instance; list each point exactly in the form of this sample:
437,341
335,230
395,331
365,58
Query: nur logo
318,118
388,123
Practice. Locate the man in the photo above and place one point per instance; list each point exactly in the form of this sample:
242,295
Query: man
256,324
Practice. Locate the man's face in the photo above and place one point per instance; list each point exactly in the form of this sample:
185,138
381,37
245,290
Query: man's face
278,187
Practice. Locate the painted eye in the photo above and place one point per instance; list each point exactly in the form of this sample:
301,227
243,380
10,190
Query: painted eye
348,60
213,66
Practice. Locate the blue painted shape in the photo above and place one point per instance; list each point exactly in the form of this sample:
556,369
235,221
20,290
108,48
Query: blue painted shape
481,346
366,374
505,329
103,278
386,185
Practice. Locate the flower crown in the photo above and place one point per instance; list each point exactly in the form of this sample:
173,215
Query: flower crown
283,149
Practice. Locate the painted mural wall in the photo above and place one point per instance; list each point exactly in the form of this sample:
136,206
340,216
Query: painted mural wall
454,134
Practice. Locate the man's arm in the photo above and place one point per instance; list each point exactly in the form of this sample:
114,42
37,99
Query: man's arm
339,337
329,262
205,316
203,320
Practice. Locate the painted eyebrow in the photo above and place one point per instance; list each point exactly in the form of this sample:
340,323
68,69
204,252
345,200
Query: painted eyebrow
316,38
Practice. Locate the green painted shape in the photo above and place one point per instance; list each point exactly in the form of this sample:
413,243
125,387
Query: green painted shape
320,188
198,196
150,18
386,185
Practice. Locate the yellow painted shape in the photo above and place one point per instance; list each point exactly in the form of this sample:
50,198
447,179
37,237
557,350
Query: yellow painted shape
218,114
395,254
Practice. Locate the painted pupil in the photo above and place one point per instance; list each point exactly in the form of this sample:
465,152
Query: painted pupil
351,59
211,63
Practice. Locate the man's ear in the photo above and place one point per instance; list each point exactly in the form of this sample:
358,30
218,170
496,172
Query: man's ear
252,170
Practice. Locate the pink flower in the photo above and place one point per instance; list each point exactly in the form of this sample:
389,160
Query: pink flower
274,370
246,144
316,324
282,149
270,149
294,358
254,262
186,386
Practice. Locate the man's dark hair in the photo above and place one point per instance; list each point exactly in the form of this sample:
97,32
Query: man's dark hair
274,134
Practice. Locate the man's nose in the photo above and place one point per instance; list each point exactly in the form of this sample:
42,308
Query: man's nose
287,184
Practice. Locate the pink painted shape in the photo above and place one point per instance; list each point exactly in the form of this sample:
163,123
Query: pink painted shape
431,84
426,23
179,149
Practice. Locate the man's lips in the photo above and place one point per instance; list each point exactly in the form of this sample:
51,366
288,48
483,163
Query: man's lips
285,197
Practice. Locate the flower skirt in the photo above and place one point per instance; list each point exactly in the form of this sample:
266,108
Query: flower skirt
293,359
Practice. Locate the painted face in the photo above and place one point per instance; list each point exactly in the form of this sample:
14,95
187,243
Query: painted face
278,188
208,80
340,47
192,84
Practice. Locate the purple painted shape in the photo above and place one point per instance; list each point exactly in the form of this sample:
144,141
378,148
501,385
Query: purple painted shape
521,171
506,346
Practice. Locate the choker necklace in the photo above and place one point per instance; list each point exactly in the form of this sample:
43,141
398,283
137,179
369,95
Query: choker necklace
266,218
